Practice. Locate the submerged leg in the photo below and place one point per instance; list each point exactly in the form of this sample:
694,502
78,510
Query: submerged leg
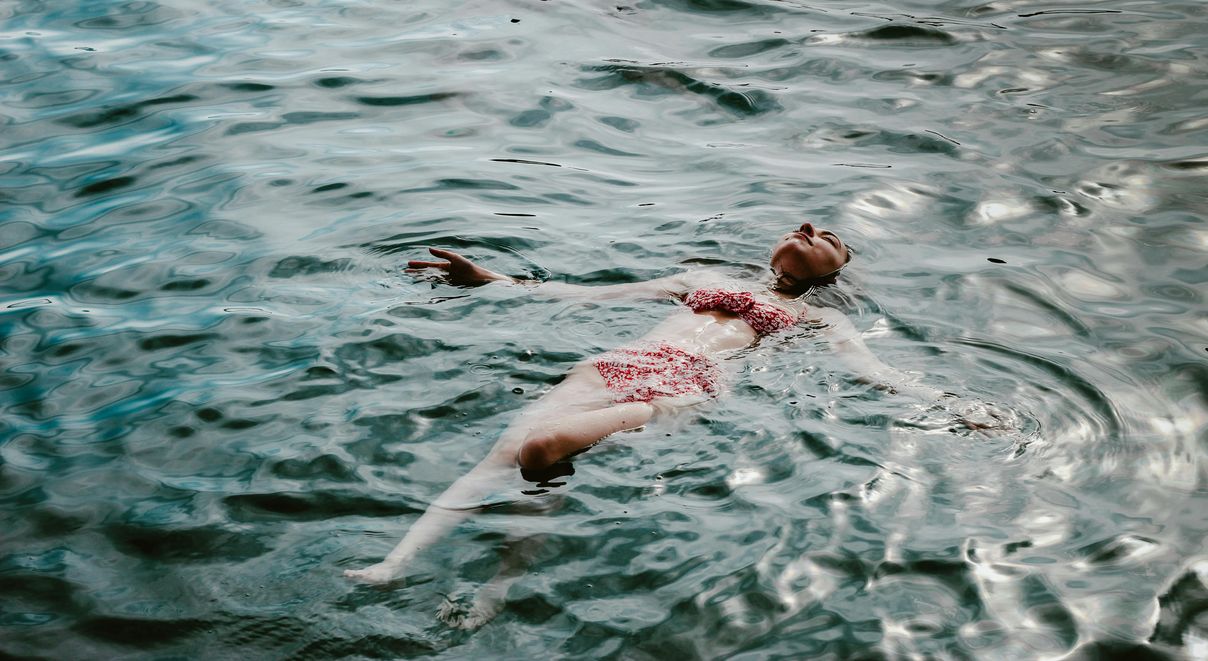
551,441
554,432
488,601
452,507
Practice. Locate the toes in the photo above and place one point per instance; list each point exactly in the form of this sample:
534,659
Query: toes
376,575
451,613
460,615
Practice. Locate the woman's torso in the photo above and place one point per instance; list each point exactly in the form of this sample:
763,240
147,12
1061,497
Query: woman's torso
709,332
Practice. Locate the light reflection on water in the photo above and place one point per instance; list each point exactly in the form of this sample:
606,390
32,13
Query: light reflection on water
220,391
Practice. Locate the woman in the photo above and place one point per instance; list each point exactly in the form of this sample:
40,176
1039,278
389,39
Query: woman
674,365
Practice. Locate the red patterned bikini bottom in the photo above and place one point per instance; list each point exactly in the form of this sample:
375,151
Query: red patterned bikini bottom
645,372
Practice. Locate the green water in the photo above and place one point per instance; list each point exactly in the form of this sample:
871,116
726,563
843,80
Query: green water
219,391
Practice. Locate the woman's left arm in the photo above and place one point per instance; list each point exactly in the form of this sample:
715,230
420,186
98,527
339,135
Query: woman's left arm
850,348
968,411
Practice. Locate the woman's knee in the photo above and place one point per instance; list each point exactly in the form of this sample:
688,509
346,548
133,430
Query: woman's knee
537,452
550,442
636,414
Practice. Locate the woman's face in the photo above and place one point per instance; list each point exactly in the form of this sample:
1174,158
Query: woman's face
806,254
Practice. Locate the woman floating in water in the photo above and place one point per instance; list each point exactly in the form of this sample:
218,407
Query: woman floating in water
676,364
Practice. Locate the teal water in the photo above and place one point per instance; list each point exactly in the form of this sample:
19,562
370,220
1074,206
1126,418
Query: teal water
219,390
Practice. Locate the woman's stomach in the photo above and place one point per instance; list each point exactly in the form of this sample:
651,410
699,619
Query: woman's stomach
705,333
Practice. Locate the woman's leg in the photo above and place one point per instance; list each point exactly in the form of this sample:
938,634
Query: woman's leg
453,506
564,436
489,600
580,393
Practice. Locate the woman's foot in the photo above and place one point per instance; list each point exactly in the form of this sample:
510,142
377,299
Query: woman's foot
460,615
378,574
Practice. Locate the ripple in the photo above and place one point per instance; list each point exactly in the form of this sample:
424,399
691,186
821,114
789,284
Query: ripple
394,101
910,34
204,544
220,390
666,80
1181,620
309,506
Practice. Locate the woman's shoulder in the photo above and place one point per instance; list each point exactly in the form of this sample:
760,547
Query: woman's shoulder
827,318
707,278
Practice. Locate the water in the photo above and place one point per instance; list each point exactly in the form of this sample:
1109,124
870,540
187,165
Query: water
219,391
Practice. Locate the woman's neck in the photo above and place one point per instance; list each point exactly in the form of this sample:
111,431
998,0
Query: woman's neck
782,293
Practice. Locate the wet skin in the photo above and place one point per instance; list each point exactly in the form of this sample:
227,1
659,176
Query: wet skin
805,256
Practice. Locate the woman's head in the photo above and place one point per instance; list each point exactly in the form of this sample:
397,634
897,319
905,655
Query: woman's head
807,256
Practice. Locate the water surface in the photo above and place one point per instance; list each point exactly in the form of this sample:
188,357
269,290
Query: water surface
219,390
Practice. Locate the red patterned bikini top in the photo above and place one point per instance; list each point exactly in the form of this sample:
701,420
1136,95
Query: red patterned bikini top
764,318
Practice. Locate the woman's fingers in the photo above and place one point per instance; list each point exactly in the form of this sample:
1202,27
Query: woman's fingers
421,264
449,255
457,271
453,258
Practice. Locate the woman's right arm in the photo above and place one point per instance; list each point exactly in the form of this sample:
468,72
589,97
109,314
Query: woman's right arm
459,270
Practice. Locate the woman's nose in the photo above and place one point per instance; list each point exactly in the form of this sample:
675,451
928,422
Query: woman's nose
807,229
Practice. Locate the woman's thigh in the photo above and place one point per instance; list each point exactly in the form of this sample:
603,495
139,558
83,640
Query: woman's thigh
585,390
582,390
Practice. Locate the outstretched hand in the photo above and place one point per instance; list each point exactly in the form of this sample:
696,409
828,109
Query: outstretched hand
978,415
457,269
955,413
